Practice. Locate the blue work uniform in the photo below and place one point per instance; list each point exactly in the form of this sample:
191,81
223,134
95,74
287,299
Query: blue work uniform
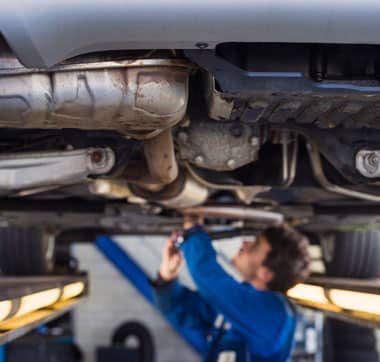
256,326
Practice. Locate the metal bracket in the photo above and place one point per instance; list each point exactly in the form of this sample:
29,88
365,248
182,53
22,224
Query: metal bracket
22,171
219,146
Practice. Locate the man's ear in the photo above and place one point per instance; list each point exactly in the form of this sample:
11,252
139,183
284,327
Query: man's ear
265,274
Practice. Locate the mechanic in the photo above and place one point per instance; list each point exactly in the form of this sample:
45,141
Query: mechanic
238,321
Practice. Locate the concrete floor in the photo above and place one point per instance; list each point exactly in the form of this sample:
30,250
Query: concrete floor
112,301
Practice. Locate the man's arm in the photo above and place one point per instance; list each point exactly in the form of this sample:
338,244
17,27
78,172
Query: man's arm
178,303
184,306
260,316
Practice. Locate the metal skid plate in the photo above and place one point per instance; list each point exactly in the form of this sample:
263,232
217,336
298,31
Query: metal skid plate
282,96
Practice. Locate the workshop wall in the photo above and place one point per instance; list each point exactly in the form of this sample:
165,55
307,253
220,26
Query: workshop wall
113,300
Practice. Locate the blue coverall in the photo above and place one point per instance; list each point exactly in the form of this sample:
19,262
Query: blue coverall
262,322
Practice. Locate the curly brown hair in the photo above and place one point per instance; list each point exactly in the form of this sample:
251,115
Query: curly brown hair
288,259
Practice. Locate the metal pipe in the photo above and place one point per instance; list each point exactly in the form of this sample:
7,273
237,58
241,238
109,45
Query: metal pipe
235,213
290,175
160,157
112,188
191,194
285,157
184,192
35,171
241,191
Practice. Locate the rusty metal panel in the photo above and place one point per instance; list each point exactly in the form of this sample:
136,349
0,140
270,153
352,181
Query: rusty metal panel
132,97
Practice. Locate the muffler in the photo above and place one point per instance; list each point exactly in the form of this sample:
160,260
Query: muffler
135,97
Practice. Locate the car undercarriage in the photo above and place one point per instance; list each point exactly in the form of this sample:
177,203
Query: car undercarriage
141,118
288,128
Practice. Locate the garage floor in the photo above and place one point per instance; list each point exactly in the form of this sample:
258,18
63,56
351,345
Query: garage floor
113,301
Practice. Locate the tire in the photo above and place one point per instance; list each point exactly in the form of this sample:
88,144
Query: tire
65,263
138,330
349,355
25,251
354,254
353,337
347,342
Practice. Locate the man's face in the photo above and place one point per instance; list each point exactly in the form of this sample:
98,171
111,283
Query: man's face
251,256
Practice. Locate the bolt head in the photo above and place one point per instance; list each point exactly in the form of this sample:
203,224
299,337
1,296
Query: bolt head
231,163
370,163
254,141
100,161
98,157
373,159
237,130
183,136
201,45
199,160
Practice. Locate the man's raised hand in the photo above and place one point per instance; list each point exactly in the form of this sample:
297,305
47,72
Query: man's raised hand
172,259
